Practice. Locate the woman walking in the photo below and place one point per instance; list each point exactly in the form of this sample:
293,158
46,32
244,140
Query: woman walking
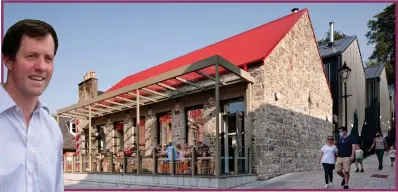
328,160
380,145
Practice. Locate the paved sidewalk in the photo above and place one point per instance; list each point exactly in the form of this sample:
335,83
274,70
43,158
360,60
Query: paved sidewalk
306,180
85,185
315,180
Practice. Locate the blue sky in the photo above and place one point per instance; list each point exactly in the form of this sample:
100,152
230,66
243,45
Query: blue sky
117,40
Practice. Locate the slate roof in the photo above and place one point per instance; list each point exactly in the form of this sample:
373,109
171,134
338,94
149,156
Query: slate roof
245,48
337,48
373,72
69,139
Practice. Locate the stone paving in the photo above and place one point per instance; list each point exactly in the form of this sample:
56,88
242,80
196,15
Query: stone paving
315,180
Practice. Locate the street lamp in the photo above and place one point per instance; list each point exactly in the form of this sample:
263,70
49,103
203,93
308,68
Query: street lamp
345,74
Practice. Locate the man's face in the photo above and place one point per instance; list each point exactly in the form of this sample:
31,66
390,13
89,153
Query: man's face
32,68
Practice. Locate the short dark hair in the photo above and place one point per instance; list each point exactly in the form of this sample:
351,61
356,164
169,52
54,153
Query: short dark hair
30,28
343,129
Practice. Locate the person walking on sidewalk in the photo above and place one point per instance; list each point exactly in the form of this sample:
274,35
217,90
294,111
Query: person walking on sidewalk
328,160
392,155
345,155
358,158
380,145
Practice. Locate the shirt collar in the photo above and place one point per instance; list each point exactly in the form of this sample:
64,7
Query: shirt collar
6,102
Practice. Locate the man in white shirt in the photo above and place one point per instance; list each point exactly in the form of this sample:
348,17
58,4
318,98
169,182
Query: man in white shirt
31,142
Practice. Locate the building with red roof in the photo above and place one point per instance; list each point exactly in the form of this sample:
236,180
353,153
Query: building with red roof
256,103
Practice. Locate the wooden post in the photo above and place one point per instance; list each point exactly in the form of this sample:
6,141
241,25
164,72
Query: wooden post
65,164
81,163
100,162
73,163
112,164
193,160
172,165
124,163
154,162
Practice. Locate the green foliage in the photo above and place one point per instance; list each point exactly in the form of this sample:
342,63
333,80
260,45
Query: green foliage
337,35
371,63
381,34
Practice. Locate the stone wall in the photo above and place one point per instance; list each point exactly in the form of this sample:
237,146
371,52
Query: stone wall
88,88
178,125
128,131
210,124
81,142
150,125
109,134
288,132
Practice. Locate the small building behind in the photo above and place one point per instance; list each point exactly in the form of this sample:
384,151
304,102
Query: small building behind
334,54
378,104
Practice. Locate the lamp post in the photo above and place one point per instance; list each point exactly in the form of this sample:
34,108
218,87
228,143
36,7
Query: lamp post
345,74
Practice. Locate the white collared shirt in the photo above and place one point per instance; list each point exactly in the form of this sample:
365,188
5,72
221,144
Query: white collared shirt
30,158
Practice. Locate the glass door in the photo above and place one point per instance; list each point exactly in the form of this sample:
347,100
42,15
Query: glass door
232,134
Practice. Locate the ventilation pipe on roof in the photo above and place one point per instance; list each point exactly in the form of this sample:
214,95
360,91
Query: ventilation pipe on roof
331,33
295,10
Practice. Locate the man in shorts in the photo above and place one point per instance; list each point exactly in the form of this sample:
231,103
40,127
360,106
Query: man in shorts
345,156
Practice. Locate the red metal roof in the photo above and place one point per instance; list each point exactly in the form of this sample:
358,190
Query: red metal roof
245,48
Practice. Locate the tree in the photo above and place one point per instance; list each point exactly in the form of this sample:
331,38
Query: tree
381,34
371,63
337,35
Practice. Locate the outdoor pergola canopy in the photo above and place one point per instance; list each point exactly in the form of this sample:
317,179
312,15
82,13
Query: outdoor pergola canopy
199,76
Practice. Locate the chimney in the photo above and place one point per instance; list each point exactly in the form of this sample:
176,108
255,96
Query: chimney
88,88
295,10
331,32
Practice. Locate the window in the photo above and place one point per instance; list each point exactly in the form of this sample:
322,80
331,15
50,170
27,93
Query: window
86,140
100,138
164,128
118,136
73,128
233,119
236,107
194,125
141,132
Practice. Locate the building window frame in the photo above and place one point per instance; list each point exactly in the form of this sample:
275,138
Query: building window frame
160,134
188,136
